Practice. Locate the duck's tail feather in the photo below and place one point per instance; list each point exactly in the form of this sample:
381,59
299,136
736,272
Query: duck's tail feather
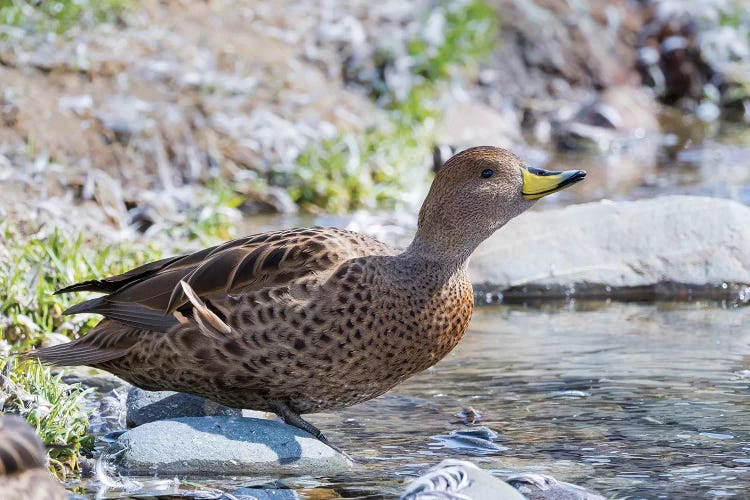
107,342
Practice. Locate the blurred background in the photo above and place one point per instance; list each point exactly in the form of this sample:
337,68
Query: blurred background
134,129
124,117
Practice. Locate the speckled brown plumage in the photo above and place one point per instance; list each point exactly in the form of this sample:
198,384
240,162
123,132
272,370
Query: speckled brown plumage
23,474
303,320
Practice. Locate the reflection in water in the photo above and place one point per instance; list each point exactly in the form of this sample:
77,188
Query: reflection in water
626,399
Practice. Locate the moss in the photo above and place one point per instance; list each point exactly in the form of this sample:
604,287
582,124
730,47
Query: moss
58,15
371,170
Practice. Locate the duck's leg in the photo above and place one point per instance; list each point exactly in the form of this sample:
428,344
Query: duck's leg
292,418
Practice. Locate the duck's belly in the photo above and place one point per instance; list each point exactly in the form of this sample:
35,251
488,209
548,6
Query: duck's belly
322,382
311,359
242,375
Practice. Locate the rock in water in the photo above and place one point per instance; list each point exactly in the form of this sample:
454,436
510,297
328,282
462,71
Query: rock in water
212,446
674,239
149,406
541,487
459,479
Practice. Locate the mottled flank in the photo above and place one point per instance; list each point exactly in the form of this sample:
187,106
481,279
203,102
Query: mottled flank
23,473
303,320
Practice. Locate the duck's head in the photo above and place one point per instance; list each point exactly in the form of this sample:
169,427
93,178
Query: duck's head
477,192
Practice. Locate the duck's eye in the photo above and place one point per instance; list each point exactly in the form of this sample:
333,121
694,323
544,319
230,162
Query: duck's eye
487,173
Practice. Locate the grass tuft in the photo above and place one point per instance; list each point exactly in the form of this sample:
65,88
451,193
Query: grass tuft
32,270
53,408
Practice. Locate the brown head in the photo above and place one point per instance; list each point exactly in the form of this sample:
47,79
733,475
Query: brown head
474,194
20,447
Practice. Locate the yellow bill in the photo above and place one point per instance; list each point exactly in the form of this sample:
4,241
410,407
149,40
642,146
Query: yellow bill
538,182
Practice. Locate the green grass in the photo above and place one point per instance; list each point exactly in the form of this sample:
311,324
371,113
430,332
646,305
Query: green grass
53,408
347,172
32,269
211,217
58,16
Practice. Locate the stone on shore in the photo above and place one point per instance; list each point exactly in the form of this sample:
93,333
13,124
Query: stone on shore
675,239
225,446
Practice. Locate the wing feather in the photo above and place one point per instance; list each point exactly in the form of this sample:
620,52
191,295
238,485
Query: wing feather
148,296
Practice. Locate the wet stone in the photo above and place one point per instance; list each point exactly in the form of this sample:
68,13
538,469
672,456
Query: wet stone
264,494
224,446
475,440
541,487
110,416
454,479
149,406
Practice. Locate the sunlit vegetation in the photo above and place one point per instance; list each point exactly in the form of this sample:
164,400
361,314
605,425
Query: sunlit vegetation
370,170
56,16
52,407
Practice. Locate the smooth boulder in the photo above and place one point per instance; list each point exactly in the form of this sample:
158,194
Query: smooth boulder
226,446
149,406
688,240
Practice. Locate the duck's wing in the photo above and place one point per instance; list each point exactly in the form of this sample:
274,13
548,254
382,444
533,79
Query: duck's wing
148,296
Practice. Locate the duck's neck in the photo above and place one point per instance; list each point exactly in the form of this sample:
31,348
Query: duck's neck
450,255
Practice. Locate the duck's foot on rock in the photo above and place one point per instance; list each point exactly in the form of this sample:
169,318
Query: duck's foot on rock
225,446
293,419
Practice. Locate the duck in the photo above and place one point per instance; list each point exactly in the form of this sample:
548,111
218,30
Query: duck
303,320
23,473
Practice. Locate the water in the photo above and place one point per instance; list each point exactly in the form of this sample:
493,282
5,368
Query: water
636,400
693,159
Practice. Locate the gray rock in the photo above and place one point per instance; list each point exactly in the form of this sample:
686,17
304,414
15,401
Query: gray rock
621,118
541,487
149,406
91,377
454,479
676,239
264,494
468,123
111,413
224,446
